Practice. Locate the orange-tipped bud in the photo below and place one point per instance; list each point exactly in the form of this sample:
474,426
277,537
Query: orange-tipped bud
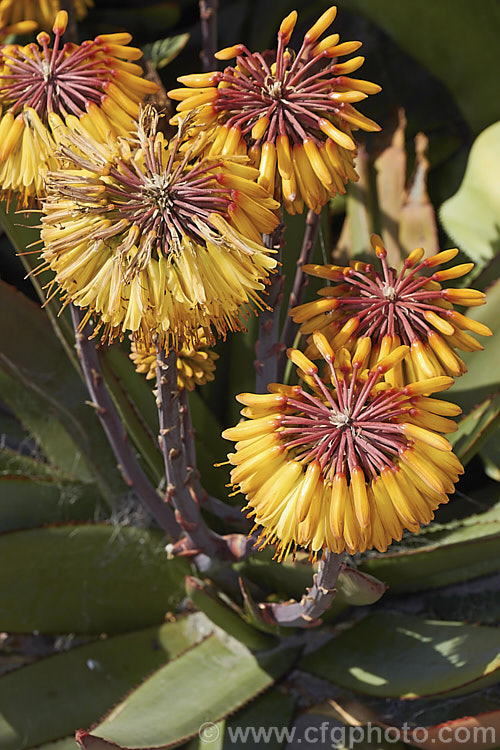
267,166
328,41
43,38
349,66
443,257
287,26
350,97
121,37
420,434
61,22
302,362
341,138
321,25
360,497
453,273
378,246
292,391
200,80
362,352
414,257
261,399
367,87
260,127
315,160
392,359
431,385
346,48
228,53
462,321
323,346
285,163
307,490
438,322
465,297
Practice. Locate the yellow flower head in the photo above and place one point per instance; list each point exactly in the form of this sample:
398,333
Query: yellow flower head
346,463
41,86
153,241
195,364
294,111
42,12
386,308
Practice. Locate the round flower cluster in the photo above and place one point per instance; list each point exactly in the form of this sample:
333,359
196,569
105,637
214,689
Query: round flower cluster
153,241
195,364
388,309
346,462
293,111
43,87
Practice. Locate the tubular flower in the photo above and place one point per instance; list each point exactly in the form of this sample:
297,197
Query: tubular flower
294,111
42,12
344,464
152,241
195,364
41,87
385,309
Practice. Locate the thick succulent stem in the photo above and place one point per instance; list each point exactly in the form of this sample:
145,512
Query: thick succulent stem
268,347
115,431
314,603
299,284
208,18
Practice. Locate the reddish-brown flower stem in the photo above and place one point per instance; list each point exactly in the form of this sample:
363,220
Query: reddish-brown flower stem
268,347
315,602
299,283
115,431
208,19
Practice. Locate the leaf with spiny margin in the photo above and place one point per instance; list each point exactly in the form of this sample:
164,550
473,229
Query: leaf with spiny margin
268,715
207,683
458,551
133,397
471,216
227,617
163,51
40,385
22,230
75,688
393,655
475,428
87,579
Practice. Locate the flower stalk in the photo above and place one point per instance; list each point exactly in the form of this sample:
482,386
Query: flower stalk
315,602
115,431
299,284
